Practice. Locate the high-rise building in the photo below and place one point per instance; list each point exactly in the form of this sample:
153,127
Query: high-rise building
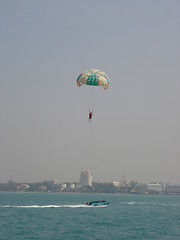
85,178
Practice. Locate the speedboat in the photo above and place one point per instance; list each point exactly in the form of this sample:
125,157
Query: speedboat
98,203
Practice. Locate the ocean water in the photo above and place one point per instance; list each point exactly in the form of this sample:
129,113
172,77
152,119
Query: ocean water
65,216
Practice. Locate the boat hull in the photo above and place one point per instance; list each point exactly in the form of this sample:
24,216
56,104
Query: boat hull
97,203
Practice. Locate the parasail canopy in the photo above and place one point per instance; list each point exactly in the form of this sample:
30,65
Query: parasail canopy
93,77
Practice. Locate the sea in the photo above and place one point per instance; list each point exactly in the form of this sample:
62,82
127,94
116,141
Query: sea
65,216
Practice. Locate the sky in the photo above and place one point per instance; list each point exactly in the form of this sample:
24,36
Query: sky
44,129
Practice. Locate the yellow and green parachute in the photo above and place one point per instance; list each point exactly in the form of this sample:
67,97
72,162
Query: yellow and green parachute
93,77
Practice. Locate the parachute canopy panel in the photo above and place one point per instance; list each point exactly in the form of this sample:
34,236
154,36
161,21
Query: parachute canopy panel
93,77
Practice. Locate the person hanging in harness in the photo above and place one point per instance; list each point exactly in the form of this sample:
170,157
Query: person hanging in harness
90,115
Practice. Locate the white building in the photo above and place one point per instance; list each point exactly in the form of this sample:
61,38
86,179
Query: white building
158,187
116,184
23,187
172,189
85,178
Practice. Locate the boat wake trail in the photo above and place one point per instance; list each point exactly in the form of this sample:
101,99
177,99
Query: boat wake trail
150,204
50,206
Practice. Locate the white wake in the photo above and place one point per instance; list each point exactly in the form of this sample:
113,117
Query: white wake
51,206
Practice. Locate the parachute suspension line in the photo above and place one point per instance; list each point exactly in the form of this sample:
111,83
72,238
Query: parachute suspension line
92,100
89,98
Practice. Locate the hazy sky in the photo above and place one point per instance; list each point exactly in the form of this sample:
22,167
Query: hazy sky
44,129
